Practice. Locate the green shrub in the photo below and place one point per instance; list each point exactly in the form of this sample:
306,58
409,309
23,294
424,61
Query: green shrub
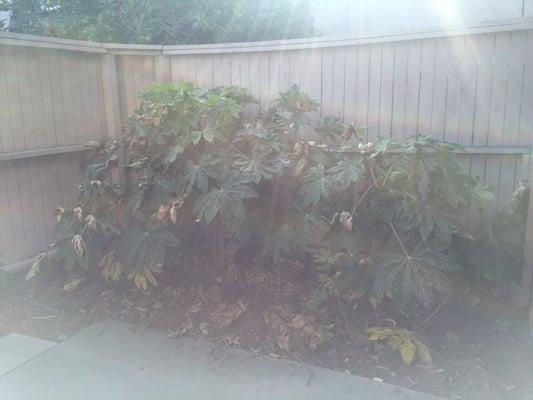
207,174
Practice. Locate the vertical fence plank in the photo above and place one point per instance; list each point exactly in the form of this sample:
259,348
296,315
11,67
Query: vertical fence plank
497,114
374,92
412,89
399,89
264,81
178,68
468,91
522,296
453,89
235,67
245,70
440,83
387,87
350,85
15,98
362,87
254,75
274,75
112,112
338,77
327,82
163,71
427,72
284,71
18,234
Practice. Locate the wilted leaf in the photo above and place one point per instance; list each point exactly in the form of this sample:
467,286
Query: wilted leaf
36,266
72,284
308,327
226,314
378,333
142,252
195,308
204,328
407,351
402,341
279,328
422,351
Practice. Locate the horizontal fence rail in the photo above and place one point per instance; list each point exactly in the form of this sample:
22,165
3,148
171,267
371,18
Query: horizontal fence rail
470,85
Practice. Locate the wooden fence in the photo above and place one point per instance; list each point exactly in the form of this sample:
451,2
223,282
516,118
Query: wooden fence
470,85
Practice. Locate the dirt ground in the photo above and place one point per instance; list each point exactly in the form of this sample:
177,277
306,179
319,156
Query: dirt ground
475,355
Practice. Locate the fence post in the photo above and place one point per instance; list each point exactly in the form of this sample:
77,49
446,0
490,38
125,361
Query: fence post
521,293
112,115
162,69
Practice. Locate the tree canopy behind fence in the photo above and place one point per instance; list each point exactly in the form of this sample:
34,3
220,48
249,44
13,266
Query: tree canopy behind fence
161,21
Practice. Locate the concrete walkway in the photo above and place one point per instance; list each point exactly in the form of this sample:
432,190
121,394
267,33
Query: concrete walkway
114,361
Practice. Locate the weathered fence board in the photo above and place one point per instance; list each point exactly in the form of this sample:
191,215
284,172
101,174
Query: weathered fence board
50,105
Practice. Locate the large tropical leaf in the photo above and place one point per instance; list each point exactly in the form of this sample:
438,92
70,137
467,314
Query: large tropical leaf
260,165
432,219
344,172
197,173
316,186
142,251
416,271
227,199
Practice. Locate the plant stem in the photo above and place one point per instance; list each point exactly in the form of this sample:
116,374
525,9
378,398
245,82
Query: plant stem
430,316
348,327
363,197
399,240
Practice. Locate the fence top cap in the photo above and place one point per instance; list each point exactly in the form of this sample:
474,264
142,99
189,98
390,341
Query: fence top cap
17,39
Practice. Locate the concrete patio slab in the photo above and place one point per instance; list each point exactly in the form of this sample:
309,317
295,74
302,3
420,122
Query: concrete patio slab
115,361
16,349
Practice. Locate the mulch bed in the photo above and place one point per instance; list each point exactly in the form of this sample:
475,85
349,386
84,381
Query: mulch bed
475,355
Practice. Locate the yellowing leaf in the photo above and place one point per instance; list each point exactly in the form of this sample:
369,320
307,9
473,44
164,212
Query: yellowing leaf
403,341
423,351
36,267
407,351
226,314
378,333
395,342
72,284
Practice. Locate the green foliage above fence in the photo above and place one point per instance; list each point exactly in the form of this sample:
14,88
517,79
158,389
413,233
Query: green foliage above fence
162,21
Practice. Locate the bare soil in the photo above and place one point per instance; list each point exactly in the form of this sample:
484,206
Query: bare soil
475,355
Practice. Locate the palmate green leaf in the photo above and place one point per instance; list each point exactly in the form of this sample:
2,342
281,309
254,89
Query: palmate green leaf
228,198
221,110
448,181
151,192
431,219
208,134
344,172
295,100
173,153
139,248
412,272
316,186
197,173
330,127
261,165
